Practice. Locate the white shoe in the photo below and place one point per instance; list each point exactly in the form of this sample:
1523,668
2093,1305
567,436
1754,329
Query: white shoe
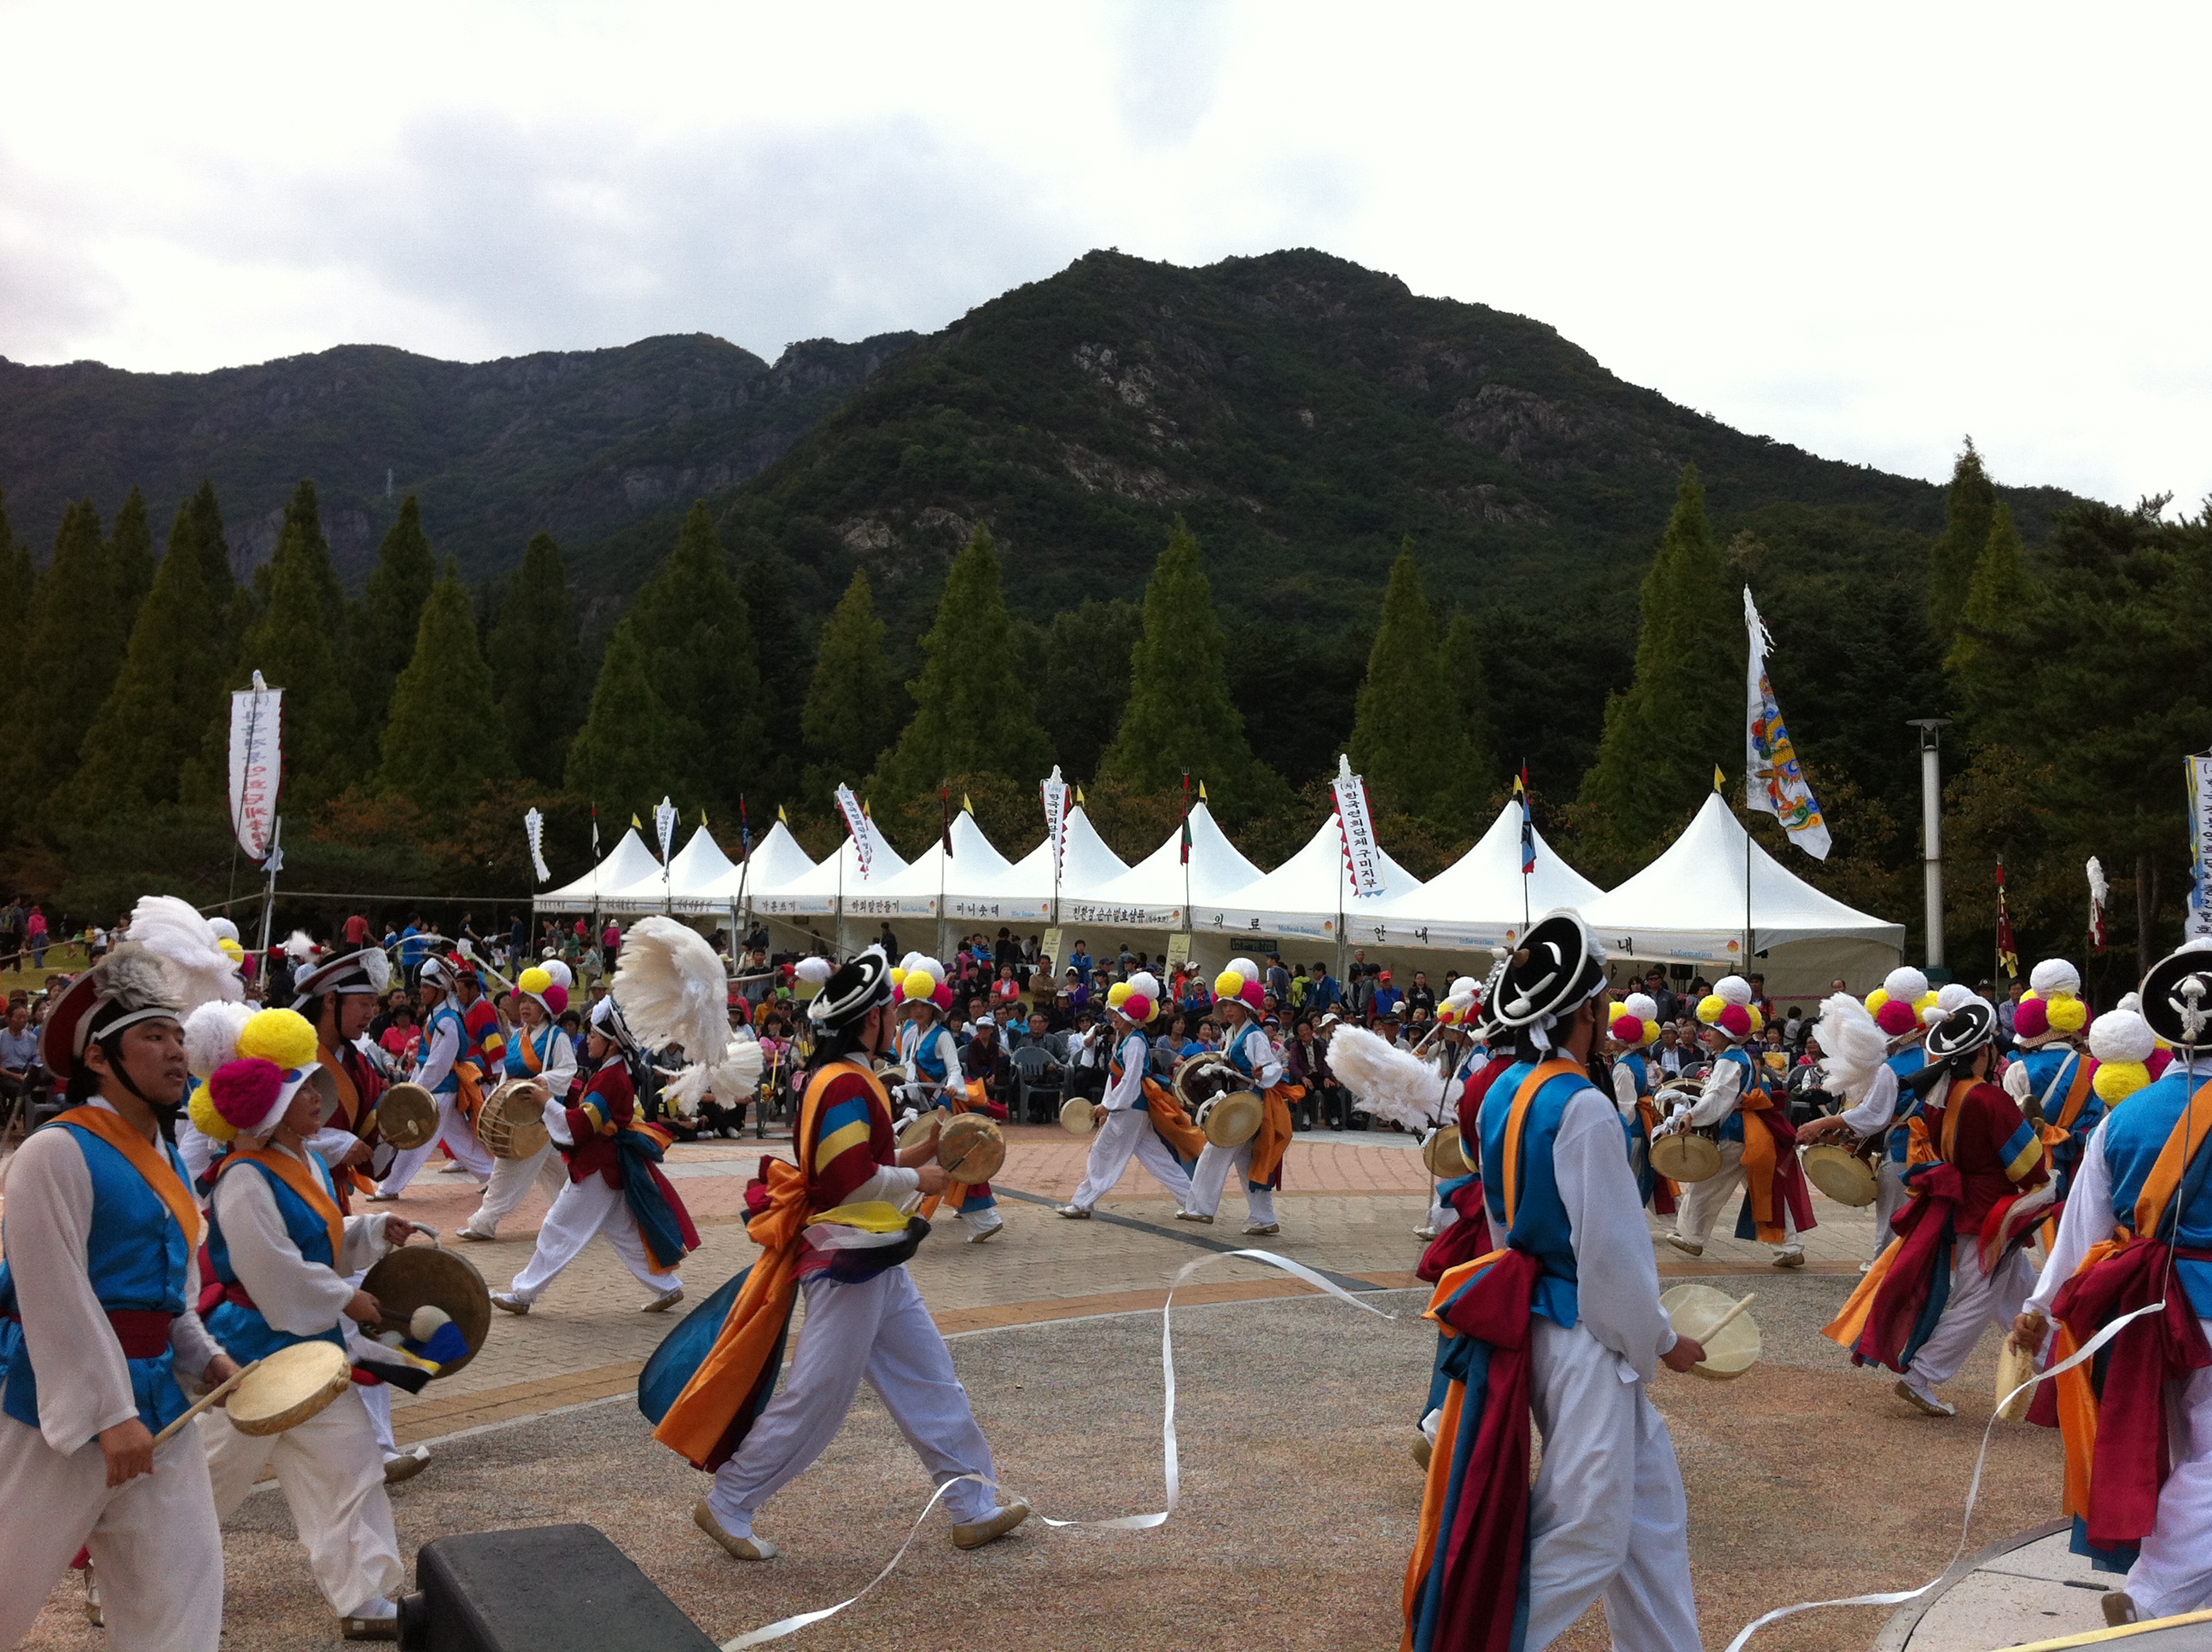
372,1620
1424,1233
1195,1216
404,1466
1263,1227
984,1236
92,1614
1926,1404
1866,1268
1791,1258
470,1233
663,1303
381,1197
508,1302
1073,1212
737,1548
1687,1247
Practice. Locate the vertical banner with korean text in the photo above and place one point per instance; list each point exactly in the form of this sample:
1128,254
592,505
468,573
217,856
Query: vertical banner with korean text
256,765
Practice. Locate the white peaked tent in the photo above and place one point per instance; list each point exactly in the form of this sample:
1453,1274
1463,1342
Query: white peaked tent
1479,900
822,888
1306,895
1085,864
1688,906
629,863
691,869
777,860
975,885
1151,893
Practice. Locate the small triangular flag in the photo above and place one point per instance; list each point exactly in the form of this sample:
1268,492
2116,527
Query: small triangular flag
635,824
1079,797
1720,781
703,817
966,807
1201,791
780,816
867,809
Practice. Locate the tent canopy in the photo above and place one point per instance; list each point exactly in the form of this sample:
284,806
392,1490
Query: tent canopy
1085,863
1307,893
1151,893
630,863
691,870
777,860
1479,900
818,891
1688,905
975,885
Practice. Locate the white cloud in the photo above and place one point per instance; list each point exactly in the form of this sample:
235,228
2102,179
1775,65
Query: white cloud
1867,230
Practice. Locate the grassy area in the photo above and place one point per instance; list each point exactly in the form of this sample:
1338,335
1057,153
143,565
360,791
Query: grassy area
64,958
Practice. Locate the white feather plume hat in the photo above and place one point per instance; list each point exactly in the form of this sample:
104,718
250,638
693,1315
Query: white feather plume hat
189,949
672,989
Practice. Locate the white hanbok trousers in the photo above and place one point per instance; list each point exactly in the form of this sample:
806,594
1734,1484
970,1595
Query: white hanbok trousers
583,1210
1211,1177
1978,1301
1703,1202
330,1470
875,1328
1607,1515
512,1179
156,1542
2174,1573
1125,1135
458,1135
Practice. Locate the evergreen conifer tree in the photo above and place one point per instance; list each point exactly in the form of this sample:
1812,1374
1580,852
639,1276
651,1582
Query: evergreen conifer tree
1983,664
19,585
170,685
630,746
1682,714
1468,683
435,749
706,670
851,702
1968,505
1179,716
973,711
295,644
1409,736
73,649
537,659
130,559
1085,678
399,586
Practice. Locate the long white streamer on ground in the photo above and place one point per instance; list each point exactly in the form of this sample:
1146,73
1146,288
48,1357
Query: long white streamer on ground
2088,1350
1171,1470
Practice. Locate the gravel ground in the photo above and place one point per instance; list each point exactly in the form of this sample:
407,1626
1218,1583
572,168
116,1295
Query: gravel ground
1806,1480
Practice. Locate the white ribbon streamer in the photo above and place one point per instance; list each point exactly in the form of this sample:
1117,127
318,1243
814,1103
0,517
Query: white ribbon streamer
2086,1352
1171,1469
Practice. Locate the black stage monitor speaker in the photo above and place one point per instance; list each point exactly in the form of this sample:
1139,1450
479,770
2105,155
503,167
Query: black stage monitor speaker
538,1588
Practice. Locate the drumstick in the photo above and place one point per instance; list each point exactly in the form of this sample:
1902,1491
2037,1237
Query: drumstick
221,1390
1729,1318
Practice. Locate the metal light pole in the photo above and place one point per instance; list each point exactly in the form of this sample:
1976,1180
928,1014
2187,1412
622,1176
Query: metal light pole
1931,828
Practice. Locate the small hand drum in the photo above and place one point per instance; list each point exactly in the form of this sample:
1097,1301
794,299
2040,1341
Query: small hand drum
1444,1151
1076,1117
513,1122
915,1131
419,1275
407,1116
288,1387
971,1148
1687,1156
1696,1310
1231,1121
2014,1368
1839,1172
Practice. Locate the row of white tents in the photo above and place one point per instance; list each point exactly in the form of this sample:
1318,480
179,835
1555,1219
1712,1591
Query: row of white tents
1688,906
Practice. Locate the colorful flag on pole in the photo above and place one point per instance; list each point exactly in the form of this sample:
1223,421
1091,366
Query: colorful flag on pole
856,822
745,830
595,832
2007,953
1528,826
1056,791
2198,923
1773,781
257,764
664,817
1363,855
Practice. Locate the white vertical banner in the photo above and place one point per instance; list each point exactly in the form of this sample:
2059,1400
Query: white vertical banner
533,828
1055,819
664,823
2199,922
1362,855
1773,781
856,822
257,765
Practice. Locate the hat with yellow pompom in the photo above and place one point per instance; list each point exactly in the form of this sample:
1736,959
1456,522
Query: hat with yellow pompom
247,1095
1729,1010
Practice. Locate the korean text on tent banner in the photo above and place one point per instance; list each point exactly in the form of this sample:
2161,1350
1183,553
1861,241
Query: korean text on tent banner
1362,855
857,823
1055,819
256,764
1772,779
2200,842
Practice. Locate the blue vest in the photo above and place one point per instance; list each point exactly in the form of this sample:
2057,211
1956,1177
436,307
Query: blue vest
462,1045
1639,1138
1898,1146
242,1330
929,1058
1731,1127
2134,1135
542,1041
1540,1227
2044,1068
136,1258
1239,1055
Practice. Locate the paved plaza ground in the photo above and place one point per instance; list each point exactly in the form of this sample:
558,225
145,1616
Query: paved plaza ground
1807,1481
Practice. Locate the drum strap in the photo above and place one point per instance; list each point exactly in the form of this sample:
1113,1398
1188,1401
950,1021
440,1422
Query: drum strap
159,1172
530,1057
348,1092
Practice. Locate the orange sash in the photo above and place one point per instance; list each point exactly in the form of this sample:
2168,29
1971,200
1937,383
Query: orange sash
702,1413
468,1097
1274,1135
1166,1112
301,1181
2077,1399
348,1092
154,1165
1759,1161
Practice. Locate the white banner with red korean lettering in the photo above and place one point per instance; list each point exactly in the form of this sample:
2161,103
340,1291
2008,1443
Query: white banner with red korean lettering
1363,855
257,764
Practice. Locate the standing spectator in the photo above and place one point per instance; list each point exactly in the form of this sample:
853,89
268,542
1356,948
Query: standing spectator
2006,1011
888,941
1664,997
35,935
1080,963
1760,1001
413,947
357,932
1421,997
1385,998
1323,993
610,943
1363,990
1278,980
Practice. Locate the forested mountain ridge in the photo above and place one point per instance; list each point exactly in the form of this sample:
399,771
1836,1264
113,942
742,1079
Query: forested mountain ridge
579,442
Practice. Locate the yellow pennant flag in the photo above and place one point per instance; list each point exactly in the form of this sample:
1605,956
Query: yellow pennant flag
1201,791
966,807
780,816
635,824
1720,781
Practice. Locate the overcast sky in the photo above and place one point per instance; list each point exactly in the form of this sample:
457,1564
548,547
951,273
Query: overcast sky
1868,229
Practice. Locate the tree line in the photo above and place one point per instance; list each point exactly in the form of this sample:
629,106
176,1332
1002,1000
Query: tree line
422,717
